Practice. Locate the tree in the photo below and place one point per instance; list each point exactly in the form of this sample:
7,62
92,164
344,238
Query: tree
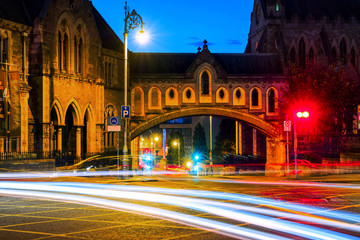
225,140
173,151
330,96
199,140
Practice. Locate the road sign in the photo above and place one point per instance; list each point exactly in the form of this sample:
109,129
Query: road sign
125,111
287,126
113,124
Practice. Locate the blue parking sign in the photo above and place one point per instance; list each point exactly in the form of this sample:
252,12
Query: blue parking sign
125,111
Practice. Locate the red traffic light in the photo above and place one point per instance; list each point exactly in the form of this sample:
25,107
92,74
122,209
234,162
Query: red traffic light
304,114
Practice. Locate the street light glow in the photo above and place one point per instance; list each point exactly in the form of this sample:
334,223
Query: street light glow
304,114
142,37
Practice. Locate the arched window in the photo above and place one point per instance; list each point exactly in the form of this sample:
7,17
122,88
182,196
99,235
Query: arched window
302,56
4,43
205,83
75,55
292,56
65,52
138,102
59,52
109,137
155,101
271,101
254,98
353,57
311,57
80,55
343,51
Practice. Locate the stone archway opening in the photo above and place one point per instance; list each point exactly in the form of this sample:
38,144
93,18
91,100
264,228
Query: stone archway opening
69,132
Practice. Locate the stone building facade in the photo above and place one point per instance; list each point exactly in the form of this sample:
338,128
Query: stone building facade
69,66
62,70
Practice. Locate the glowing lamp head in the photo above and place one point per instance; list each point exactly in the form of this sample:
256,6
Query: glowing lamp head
175,143
142,37
156,139
196,157
188,164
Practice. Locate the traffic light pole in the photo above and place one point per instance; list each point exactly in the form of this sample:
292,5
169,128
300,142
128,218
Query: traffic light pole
295,150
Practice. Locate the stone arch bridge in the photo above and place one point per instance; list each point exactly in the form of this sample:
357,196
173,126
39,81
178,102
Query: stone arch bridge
243,87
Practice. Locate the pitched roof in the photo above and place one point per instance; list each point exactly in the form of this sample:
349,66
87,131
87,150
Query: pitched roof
14,11
320,8
108,37
161,63
178,63
250,63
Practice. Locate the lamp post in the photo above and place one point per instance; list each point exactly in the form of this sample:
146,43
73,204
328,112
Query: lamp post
132,21
177,144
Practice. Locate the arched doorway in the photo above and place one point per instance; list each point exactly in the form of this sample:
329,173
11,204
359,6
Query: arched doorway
69,132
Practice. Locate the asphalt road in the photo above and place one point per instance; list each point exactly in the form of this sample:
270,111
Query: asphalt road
59,217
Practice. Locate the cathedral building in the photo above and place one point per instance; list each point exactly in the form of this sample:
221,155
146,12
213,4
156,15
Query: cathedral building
62,71
63,65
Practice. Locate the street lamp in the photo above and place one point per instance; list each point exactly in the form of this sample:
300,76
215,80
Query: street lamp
304,114
177,144
132,21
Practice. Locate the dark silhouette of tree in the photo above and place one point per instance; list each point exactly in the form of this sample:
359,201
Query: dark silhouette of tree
199,141
326,92
225,140
172,157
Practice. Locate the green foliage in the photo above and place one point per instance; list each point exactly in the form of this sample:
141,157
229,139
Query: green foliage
173,151
323,89
225,140
199,140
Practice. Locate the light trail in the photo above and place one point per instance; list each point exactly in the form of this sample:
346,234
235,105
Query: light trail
323,212
215,226
221,209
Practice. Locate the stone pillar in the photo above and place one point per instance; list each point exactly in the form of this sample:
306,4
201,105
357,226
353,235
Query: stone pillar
238,130
78,142
59,139
135,152
254,142
275,157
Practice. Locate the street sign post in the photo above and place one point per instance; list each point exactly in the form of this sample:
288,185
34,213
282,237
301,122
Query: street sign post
287,129
287,126
125,111
113,124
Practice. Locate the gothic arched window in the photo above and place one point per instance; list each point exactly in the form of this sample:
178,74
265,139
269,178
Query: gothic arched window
65,52
254,98
302,56
80,56
205,83
4,42
271,101
59,51
109,137
343,51
138,102
155,97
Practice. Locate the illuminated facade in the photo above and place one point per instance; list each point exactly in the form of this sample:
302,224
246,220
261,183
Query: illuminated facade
65,70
